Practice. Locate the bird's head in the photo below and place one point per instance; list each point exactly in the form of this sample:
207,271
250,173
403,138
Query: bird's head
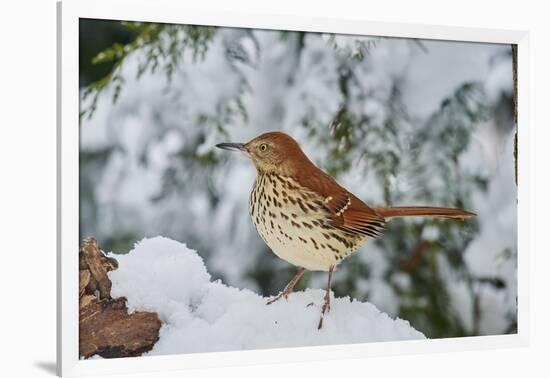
272,152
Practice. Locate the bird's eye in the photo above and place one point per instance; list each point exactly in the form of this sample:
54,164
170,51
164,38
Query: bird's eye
263,147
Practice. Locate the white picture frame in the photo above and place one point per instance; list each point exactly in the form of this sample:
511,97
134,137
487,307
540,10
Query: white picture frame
171,11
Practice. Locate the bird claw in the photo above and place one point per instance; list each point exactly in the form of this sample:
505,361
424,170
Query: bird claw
277,298
289,287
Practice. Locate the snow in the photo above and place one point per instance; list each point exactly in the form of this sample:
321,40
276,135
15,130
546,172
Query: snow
201,315
484,256
468,62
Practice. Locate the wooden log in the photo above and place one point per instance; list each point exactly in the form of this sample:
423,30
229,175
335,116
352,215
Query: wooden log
93,260
106,329
105,326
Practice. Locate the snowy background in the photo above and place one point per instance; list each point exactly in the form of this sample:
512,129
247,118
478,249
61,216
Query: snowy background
396,121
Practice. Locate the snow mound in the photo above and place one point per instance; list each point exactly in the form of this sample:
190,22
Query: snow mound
199,315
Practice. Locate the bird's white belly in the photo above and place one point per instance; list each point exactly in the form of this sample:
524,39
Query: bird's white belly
296,234
287,245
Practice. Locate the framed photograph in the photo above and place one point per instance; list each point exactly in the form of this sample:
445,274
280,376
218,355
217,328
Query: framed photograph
241,189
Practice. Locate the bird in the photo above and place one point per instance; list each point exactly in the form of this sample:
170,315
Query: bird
305,217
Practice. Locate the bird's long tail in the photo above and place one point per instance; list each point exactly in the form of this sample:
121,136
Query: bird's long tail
423,211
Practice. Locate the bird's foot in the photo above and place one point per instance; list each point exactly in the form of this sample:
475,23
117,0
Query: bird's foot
289,287
281,295
324,310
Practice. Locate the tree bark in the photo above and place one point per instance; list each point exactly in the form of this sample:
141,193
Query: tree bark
105,326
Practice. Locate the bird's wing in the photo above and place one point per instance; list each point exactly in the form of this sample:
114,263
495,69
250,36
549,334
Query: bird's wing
357,218
345,211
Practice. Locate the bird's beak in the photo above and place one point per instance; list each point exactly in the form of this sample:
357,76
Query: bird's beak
231,146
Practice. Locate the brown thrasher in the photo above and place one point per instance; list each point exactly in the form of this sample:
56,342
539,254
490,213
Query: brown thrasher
306,217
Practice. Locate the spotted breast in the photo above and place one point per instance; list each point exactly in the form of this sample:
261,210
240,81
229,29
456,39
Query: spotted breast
293,221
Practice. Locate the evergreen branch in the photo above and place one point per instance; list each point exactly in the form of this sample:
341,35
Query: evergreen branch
162,45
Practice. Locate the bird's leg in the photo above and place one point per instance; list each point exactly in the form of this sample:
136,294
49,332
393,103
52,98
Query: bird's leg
290,286
326,305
